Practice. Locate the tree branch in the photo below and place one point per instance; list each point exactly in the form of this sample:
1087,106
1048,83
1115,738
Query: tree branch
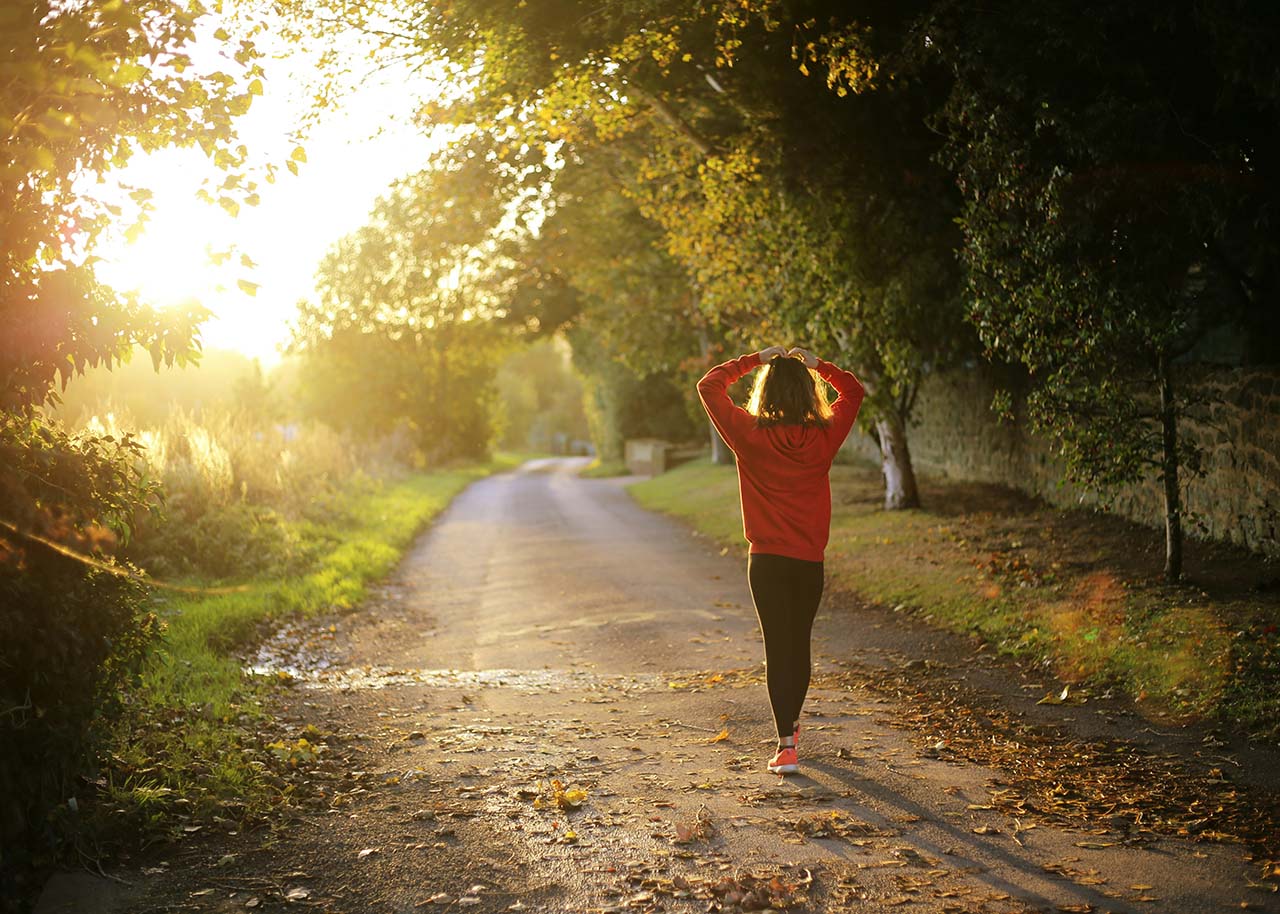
669,117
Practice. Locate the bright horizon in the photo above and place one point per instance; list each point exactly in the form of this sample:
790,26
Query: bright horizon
353,153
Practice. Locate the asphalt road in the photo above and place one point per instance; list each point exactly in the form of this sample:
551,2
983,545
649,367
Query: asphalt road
548,631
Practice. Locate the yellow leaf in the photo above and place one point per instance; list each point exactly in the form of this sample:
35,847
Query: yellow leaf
720,737
299,154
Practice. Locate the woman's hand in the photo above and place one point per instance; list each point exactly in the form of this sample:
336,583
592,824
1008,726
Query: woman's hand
768,355
810,360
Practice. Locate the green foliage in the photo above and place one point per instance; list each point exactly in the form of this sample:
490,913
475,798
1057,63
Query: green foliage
74,638
434,387
83,87
401,331
540,398
636,331
1111,220
623,404
233,481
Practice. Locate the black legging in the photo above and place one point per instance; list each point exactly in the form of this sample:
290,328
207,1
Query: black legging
786,592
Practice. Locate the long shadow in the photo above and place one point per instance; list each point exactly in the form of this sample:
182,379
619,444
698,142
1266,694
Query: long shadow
980,856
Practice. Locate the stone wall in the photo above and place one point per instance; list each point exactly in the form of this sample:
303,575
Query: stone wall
955,434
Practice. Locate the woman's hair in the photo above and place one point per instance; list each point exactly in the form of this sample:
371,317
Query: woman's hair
788,393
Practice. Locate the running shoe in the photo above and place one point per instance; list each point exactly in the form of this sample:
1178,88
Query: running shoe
785,762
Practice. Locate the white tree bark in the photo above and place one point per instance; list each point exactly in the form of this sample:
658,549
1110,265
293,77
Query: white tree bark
895,460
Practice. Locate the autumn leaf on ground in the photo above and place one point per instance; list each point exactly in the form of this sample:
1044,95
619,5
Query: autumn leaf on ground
571,798
700,829
1052,699
720,737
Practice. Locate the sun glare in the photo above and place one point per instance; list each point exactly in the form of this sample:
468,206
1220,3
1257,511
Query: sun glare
352,157
170,261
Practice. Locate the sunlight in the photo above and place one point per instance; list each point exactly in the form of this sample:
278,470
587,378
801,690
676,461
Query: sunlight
352,156
169,262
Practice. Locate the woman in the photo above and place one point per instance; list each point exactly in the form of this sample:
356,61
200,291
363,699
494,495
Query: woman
784,441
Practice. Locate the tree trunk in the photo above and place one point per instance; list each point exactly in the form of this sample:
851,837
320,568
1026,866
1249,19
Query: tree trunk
720,453
895,459
1169,473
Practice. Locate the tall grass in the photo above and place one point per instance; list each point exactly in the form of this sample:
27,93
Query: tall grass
235,483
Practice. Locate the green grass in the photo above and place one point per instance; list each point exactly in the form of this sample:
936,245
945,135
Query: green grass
597,470
189,745
1001,567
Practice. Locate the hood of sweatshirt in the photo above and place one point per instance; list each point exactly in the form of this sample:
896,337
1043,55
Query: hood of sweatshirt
795,442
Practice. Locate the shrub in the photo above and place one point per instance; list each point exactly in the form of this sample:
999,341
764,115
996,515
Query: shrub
231,479
74,632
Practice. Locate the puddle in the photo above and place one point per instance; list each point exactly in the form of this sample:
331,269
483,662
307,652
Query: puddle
305,654
375,677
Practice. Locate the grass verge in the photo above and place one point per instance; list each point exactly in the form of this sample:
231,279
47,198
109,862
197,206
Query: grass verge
192,746
597,470
1077,591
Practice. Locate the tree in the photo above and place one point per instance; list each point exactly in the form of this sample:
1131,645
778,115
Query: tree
83,87
86,87
1119,172
796,207
401,326
542,398
827,219
637,332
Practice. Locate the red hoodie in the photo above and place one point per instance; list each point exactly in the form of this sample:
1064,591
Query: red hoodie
782,469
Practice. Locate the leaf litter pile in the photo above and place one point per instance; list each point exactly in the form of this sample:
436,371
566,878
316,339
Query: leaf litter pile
1111,788
744,889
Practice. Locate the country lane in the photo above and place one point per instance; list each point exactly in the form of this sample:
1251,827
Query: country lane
557,704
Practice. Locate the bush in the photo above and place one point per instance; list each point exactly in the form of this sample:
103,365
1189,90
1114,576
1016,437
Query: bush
231,482
73,633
